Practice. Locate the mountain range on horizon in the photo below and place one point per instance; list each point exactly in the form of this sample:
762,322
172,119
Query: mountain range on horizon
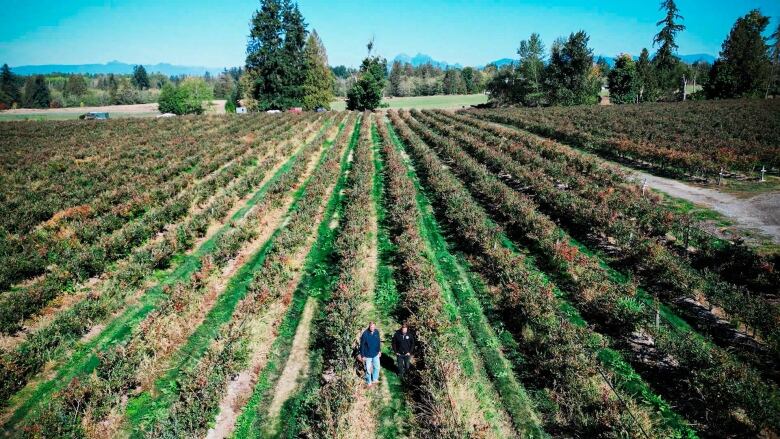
422,58
116,67
119,67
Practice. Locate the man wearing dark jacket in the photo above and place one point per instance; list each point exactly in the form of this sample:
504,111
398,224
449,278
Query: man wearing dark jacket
403,346
370,353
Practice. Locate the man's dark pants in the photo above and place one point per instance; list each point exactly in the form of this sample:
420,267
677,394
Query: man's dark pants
402,361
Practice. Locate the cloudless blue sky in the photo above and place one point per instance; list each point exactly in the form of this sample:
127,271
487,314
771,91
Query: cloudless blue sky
213,33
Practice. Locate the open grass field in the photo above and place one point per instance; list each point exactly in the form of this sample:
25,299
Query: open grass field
210,277
449,102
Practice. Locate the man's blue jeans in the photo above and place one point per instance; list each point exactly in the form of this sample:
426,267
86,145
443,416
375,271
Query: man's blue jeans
372,369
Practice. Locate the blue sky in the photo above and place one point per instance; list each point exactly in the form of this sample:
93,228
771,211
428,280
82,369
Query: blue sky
213,32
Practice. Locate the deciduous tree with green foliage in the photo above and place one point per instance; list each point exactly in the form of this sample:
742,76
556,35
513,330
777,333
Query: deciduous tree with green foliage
531,71
646,75
318,84
503,87
604,67
140,78
186,98
36,93
624,81
472,79
570,78
453,82
76,86
744,68
366,94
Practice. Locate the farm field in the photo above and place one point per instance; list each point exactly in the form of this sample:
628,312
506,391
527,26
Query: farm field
218,107
210,277
115,111
447,102
694,140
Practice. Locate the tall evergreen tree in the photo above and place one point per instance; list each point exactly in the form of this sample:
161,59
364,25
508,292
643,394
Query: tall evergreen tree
36,93
318,84
275,62
9,89
774,55
140,78
113,89
531,71
744,67
366,93
624,81
570,78
264,61
396,76
293,57
668,68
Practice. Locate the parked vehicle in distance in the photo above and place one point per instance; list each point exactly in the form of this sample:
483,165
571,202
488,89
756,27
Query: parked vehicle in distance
94,115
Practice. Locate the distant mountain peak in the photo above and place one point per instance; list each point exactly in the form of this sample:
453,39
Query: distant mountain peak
422,59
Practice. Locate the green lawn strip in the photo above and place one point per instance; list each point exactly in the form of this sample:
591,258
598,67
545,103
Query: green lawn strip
394,417
316,278
463,301
145,407
83,359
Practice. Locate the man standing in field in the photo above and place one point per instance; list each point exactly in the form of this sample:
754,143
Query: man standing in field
369,351
403,346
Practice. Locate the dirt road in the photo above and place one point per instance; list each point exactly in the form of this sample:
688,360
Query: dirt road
758,213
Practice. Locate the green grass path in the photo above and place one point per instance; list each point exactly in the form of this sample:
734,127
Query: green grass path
463,303
315,279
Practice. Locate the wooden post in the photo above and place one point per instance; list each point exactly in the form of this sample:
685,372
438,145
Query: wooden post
763,171
644,186
720,177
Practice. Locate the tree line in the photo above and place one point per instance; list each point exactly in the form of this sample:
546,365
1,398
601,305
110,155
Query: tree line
287,66
56,90
427,80
748,66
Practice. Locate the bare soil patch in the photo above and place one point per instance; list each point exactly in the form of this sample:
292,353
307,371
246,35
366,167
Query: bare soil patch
757,213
